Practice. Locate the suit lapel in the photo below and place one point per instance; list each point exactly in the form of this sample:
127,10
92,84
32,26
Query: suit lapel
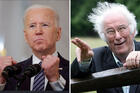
133,88
109,62
137,46
119,90
26,84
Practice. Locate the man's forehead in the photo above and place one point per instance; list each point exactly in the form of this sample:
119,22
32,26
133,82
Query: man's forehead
115,18
41,11
39,14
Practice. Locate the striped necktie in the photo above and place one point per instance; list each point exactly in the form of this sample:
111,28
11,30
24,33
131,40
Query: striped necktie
39,81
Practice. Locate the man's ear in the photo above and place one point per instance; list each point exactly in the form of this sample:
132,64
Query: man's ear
58,33
25,36
133,34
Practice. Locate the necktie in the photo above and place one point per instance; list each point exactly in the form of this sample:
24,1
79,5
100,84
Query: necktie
39,81
120,64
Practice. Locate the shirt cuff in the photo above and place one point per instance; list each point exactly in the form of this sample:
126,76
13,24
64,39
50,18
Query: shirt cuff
84,65
2,86
59,84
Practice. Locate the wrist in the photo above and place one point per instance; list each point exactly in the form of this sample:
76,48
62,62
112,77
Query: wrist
53,79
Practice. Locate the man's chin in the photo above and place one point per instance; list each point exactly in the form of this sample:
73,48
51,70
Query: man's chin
39,49
121,52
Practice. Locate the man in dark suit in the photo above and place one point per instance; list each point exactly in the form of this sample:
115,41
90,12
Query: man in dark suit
41,31
117,27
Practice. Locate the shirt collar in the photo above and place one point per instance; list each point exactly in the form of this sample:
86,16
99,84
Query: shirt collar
36,60
118,62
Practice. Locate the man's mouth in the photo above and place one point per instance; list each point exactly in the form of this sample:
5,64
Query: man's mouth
39,39
120,43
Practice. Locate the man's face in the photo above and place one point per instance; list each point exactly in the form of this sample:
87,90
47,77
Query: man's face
41,31
117,33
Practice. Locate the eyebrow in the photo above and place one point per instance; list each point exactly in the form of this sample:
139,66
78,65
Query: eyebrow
117,26
109,28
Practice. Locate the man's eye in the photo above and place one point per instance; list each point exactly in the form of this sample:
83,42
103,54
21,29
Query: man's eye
122,28
45,25
31,26
110,31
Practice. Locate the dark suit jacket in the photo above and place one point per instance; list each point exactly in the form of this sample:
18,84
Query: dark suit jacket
11,84
103,60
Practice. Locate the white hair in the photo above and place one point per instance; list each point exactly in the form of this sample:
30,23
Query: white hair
36,6
99,13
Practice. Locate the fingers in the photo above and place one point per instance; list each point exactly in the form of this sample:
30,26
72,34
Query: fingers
76,42
133,60
83,51
138,60
51,64
79,43
5,61
14,62
78,54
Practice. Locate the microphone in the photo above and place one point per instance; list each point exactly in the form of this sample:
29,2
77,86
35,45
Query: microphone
32,70
10,71
28,72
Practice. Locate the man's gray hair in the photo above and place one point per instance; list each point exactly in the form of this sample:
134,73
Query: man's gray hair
42,6
99,13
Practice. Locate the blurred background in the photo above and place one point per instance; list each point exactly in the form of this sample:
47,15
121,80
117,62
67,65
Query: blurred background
12,41
80,27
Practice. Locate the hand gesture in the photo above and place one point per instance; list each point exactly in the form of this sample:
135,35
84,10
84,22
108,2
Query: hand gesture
5,61
50,64
83,51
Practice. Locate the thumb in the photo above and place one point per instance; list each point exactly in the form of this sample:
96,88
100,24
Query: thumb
91,53
14,62
124,65
43,57
78,54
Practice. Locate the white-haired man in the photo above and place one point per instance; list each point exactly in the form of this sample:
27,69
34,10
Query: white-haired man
41,31
117,27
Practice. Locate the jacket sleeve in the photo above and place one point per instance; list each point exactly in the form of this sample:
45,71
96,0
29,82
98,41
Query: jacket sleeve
77,71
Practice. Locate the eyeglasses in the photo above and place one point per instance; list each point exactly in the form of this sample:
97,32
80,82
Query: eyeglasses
121,29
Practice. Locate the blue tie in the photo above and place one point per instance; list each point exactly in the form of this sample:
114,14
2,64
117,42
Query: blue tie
39,81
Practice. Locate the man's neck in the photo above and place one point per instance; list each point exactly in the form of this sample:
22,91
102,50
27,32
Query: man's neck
43,53
122,57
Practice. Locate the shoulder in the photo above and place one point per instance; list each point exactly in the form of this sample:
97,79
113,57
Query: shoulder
26,62
103,49
63,61
137,45
102,52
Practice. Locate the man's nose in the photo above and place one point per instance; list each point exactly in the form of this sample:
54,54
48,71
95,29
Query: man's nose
118,35
39,30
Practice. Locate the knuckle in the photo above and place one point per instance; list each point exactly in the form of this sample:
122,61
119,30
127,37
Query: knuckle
9,57
58,60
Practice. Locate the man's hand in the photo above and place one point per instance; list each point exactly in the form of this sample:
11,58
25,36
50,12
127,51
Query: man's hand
83,51
50,64
132,60
5,61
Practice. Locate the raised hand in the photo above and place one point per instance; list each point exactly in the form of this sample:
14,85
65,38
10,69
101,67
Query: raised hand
83,50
